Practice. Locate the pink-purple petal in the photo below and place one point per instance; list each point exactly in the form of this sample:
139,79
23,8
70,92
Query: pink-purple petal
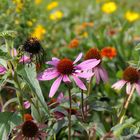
118,85
60,97
103,74
85,75
78,58
66,79
88,64
97,75
128,88
138,88
55,86
48,75
24,59
79,83
2,70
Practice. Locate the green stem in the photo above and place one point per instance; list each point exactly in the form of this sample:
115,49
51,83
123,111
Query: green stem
82,105
7,47
19,96
69,115
125,107
89,86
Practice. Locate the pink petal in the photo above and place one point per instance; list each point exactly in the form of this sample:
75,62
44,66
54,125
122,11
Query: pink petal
55,86
88,64
97,76
79,83
85,74
48,75
138,88
25,59
2,70
118,85
27,104
54,61
103,74
13,52
128,88
78,58
66,79
60,97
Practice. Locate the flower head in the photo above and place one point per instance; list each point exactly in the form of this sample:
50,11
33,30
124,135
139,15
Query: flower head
130,77
74,43
109,52
56,15
34,49
132,16
109,7
52,5
28,117
64,69
37,2
39,32
30,130
99,71
3,70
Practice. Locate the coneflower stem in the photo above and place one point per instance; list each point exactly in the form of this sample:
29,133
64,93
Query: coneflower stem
125,107
69,115
89,86
82,105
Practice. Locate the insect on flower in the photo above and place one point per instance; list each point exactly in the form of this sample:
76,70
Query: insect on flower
33,48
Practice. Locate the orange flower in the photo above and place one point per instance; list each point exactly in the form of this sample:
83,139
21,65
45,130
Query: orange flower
109,52
28,117
87,24
74,43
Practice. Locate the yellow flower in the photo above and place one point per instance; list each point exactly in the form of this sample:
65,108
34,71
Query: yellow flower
84,35
131,16
52,5
37,2
19,5
30,23
109,7
56,15
39,32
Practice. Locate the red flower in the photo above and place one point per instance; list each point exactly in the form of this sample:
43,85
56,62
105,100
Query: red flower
109,52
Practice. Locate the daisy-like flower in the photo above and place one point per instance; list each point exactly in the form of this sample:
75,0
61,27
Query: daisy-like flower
64,69
130,78
30,130
132,16
99,71
33,48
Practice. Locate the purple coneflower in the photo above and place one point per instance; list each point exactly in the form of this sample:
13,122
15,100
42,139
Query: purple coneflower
130,78
99,71
64,69
30,130
2,70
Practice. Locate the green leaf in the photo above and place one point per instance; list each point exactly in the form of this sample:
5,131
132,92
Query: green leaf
118,129
29,76
137,48
100,106
8,120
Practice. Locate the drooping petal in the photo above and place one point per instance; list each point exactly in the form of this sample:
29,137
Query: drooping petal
97,75
55,86
138,88
85,75
79,83
88,64
103,74
118,85
66,79
60,97
78,58
128,88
